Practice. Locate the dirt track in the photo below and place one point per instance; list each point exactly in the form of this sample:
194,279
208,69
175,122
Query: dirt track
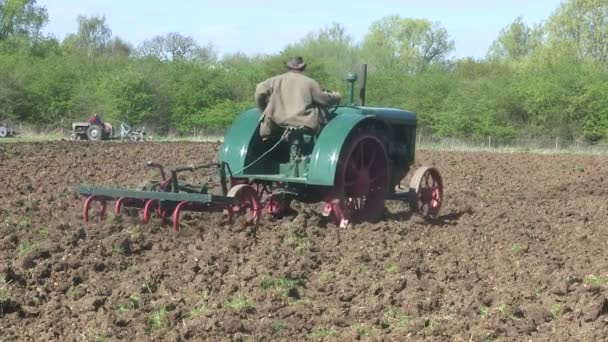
521,253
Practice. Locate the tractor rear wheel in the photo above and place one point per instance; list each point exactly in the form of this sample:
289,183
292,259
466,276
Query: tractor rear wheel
361,182
3,132
426,187
95,132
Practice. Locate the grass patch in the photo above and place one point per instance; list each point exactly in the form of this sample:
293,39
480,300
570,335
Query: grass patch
132,304
280,283
363,269
327,276
5,295
197,310
556,310
101,338
201,306
395,317
322,332
361,330
503,309
483,311
517,249
277,326
430,324
148,286
159,319
391,268
26,246
596,281
43,234
240,304
287,287
74,293
299,242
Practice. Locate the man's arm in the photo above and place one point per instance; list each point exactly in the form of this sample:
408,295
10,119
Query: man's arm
323,98
262,93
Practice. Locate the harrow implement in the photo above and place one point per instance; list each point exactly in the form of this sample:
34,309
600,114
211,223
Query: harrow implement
169,197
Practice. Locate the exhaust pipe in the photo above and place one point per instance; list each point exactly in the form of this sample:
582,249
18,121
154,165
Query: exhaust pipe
363,83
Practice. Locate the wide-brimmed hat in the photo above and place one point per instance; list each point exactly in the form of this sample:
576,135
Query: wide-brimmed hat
296,63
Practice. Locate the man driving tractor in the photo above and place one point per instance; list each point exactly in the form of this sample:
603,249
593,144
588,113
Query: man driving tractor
95,120
292,100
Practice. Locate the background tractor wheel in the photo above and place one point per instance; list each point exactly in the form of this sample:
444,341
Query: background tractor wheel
95,132
3,132
136,137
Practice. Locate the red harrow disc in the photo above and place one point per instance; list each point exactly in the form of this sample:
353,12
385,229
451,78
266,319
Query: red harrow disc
427,186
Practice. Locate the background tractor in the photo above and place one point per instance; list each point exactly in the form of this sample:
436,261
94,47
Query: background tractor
6,130
88,131
105,131
352,167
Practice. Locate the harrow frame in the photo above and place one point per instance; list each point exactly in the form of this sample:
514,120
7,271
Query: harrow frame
169,197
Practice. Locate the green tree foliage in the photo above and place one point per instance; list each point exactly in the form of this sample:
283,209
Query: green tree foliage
516,41
406,44
581,26
174,46
539,80
92,38
21,18
332,47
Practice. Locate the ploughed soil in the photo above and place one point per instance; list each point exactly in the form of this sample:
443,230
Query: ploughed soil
520,253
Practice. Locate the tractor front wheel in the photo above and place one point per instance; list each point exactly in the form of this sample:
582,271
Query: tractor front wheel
426,188
361,182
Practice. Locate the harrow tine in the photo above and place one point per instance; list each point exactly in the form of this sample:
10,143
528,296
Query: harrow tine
176,213
150,206
118,205
87,206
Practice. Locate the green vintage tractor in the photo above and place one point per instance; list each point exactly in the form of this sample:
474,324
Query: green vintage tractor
352,167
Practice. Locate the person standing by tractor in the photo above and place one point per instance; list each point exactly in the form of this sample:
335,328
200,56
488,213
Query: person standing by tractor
292,100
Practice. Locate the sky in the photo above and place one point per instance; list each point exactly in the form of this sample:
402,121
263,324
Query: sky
267,26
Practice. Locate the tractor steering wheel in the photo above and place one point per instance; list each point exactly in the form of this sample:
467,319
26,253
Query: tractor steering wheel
332,108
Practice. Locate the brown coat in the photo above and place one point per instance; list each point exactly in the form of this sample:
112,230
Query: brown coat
292,100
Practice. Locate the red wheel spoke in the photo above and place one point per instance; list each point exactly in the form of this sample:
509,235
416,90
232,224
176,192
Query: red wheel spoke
427,178
352,167
350,184
361,157
372,159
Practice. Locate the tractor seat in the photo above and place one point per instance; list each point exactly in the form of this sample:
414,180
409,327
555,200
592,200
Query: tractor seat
299,132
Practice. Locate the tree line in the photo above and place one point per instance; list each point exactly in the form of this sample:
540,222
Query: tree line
546,79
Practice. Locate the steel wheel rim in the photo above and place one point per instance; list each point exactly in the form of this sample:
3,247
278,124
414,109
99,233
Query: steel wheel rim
363,179
429,192
246,203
